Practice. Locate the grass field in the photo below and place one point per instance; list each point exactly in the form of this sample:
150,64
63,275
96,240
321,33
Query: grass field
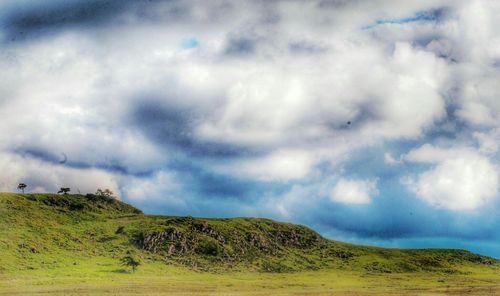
104,276
72,245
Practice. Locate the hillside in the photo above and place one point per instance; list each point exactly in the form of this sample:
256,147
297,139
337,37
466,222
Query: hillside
42,233
42,224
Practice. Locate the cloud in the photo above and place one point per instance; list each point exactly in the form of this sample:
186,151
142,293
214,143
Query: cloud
30,20
162,187
41,176
488,142
460,179
390,160
354,191
240,46
195,102
282,165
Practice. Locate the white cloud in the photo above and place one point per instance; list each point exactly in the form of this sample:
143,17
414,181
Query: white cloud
390,160
427,153
163,187
478,39
45,177
299,199
287,204
461,179
282,165
488,142
354,191
279,103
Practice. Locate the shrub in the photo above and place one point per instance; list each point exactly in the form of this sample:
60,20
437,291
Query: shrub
209,246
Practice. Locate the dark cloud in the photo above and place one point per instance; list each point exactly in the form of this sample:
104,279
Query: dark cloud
56,15
38,153
48,17
55,158
336,3
240,46
426,39
440,13
366,113
173,127
449,127
304,47
167,125
210,185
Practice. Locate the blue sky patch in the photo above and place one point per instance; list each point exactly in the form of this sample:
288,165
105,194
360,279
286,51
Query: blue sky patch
190,43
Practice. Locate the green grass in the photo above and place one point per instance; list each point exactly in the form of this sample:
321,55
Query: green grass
73,245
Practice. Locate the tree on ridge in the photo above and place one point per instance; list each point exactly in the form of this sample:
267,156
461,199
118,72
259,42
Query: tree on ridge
21,186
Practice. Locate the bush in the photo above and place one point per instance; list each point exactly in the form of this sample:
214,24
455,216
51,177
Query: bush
209,246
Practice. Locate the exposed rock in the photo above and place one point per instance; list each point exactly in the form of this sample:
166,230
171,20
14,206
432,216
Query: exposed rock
196,240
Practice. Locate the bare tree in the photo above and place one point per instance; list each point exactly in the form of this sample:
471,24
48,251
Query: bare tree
21,186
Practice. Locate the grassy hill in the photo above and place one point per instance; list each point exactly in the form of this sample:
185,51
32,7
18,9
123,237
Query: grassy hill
63,239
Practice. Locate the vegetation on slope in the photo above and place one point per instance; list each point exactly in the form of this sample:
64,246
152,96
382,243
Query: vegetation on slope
47,231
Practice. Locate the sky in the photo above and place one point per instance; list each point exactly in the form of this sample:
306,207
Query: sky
371,121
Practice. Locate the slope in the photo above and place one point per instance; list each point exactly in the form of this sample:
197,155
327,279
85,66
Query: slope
47,234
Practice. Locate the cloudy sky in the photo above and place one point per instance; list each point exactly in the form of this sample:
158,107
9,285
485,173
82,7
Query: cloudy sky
374,122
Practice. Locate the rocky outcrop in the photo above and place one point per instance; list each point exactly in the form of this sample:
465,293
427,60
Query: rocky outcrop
233,243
